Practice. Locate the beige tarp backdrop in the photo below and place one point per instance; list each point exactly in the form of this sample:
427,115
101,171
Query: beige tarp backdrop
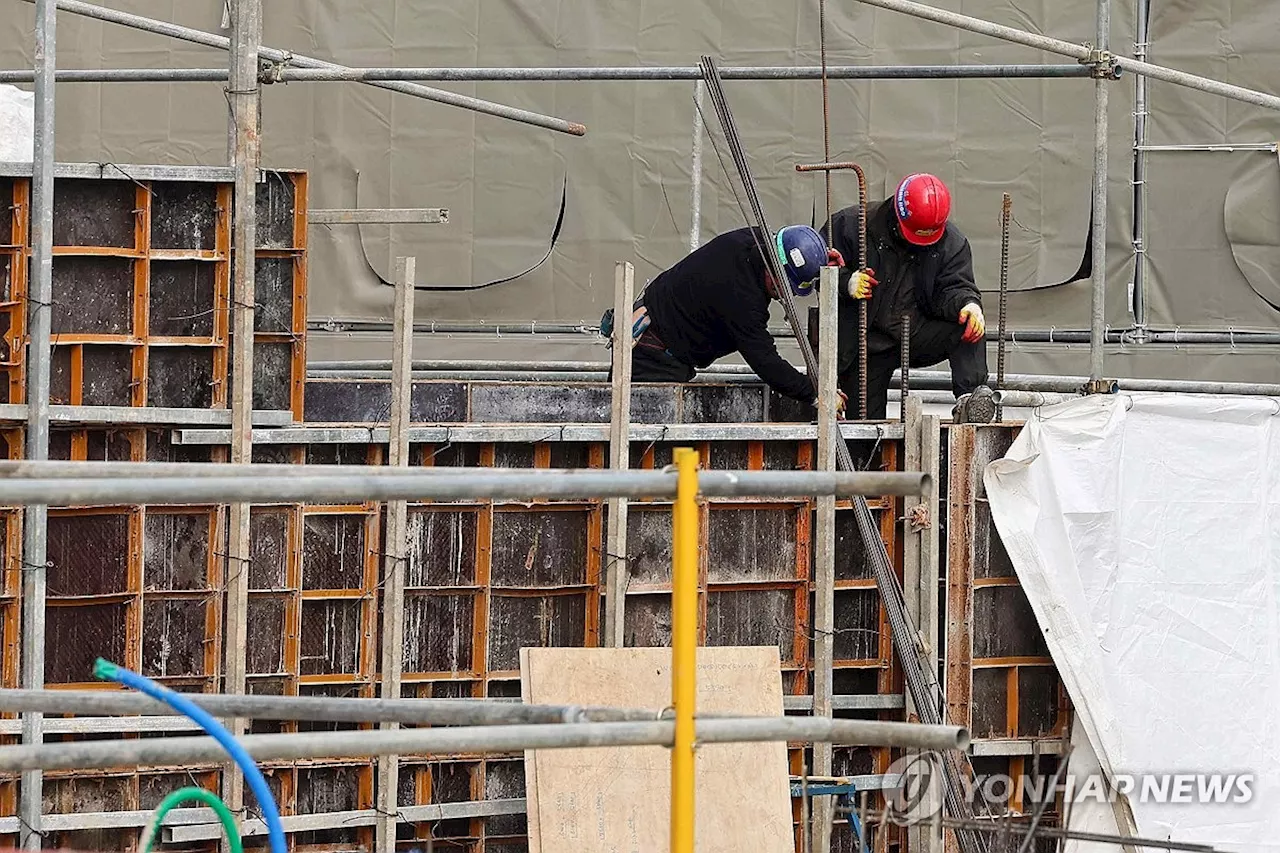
1213,218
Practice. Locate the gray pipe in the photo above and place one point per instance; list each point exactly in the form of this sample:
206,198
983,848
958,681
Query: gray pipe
289,74
1025,399
1076,51
39,366
434,712
165,28
354,488
283,747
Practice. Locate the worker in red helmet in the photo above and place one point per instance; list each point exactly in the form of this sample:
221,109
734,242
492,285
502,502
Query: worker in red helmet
918,264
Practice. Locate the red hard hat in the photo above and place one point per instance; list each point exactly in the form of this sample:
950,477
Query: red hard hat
923,204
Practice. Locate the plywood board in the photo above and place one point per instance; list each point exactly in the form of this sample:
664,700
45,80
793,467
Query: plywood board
603,800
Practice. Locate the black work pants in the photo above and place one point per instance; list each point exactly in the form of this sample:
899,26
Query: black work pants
650,364
932,342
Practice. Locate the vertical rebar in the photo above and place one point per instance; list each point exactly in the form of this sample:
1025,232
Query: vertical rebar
1098,239
39,325
695,168
904,353
1006,210
243,97
862,303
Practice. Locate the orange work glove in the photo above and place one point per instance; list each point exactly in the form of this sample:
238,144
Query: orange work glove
975,325
861,283
842,404
834,258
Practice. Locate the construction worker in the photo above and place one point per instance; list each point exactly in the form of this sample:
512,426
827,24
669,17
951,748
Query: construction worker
716,302
918,264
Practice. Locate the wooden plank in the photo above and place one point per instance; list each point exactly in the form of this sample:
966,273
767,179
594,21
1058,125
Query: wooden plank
960,559
824,541
603,799
396,548
616,571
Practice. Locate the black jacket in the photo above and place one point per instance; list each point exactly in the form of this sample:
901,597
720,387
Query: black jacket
714,303
926,281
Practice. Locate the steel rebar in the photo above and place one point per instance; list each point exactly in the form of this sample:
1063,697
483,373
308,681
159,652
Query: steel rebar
38,368
1079,52
547,484
287,58
152,752
1006,212
904,369
600,74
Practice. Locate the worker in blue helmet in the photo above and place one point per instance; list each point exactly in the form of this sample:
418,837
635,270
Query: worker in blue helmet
715,302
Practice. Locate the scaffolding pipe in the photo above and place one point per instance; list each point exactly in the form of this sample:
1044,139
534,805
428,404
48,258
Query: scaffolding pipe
287,58
544,485
1073,384
39,360
421,712
1079,52
1030,399
153,752
1208,336
1138,304
1098,239
288,74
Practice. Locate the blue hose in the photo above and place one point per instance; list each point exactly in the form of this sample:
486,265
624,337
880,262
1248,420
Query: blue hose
108,671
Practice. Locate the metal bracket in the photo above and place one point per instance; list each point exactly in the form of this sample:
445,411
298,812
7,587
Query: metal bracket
1103,64
1100,386
918,518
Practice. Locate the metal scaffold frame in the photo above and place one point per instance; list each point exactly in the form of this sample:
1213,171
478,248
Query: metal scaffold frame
245,78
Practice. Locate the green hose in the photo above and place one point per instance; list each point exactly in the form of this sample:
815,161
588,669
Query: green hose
183,795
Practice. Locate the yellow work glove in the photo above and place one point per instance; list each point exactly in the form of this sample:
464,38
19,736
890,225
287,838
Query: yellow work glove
861,283
975,326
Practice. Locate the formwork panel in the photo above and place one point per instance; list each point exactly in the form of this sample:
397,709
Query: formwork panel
92,296
174,637
520,621
145,264
176,545
332,635
442,548
185,215
88,553
745,545
762,617
182,299
77,636
438,633
539,549
95,213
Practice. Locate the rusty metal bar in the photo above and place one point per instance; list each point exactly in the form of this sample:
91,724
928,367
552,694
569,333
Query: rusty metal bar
1006,211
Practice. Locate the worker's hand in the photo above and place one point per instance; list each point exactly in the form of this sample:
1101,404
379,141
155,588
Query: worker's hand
861,283
975,326
834,258
842,404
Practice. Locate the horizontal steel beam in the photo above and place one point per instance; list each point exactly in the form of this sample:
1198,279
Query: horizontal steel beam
485,433
378,216
289,74
351,486
153,752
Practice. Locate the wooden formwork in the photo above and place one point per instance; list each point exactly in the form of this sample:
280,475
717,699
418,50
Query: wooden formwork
1000,681
484,579
141,290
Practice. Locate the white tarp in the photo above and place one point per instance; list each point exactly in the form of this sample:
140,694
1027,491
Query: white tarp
17,125
1145,530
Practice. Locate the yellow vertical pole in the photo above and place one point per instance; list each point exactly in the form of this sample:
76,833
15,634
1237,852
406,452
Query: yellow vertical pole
684,646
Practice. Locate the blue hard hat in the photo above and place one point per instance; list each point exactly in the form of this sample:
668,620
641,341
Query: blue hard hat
803,253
